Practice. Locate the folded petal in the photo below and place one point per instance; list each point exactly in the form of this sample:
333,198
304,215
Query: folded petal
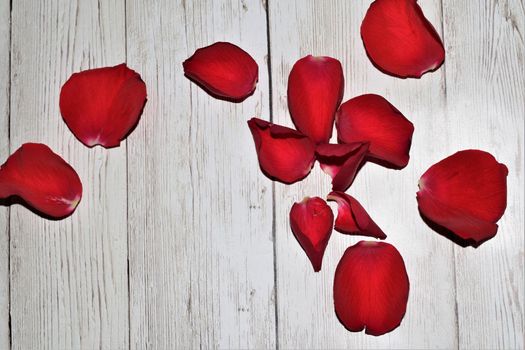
466,193
224,71
371,118
312,221
371,288
341,162
102,106
399,40
284,154
42,179
315,90
352,218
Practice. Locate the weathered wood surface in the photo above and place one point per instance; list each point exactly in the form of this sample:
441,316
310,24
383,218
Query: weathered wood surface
305,306
69,282
181,242
486,110
4,152
200,219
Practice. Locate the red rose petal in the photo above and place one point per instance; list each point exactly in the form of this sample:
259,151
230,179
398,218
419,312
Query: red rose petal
352,218
315,90
312,221
223,70
399,40
371,288
284,154
341,162
42,179
371,118
465,193
101,106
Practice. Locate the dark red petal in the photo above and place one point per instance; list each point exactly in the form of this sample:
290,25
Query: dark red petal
352,218
42,179
315,90
312,221
371,288
399,40
465,193
371,118
341,162
284,154
223,70
102,106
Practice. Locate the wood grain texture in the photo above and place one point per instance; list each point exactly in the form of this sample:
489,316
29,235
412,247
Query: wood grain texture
306,315
485,110
200,211
173,243
5,43
69,277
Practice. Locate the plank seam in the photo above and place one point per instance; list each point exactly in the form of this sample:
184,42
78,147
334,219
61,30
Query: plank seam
127,185
274,224
444,88
10,45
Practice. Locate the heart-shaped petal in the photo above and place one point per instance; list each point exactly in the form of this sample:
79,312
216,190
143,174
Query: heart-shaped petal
223,70
352,218
371,288
315,90
341,162
102,106
284,154
41,179
466,194
312,221
371,118
399,40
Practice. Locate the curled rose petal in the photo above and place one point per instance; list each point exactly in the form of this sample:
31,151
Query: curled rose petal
315,90
371,118
102,106
284,154
341,162
371,288
466,194
312,221
399,40
41,179
352,218
223,70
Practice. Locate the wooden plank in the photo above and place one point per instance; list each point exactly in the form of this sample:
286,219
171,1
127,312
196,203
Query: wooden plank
5,36
69,277
306,318
200,211
485,110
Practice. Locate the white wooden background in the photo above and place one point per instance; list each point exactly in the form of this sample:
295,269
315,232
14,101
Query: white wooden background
181,242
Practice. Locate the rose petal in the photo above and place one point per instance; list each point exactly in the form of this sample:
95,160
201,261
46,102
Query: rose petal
102,106
371,118
224,71
42,179
465,193
399,40
315,90
352,218
284,154
371,288
341,162
312,221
